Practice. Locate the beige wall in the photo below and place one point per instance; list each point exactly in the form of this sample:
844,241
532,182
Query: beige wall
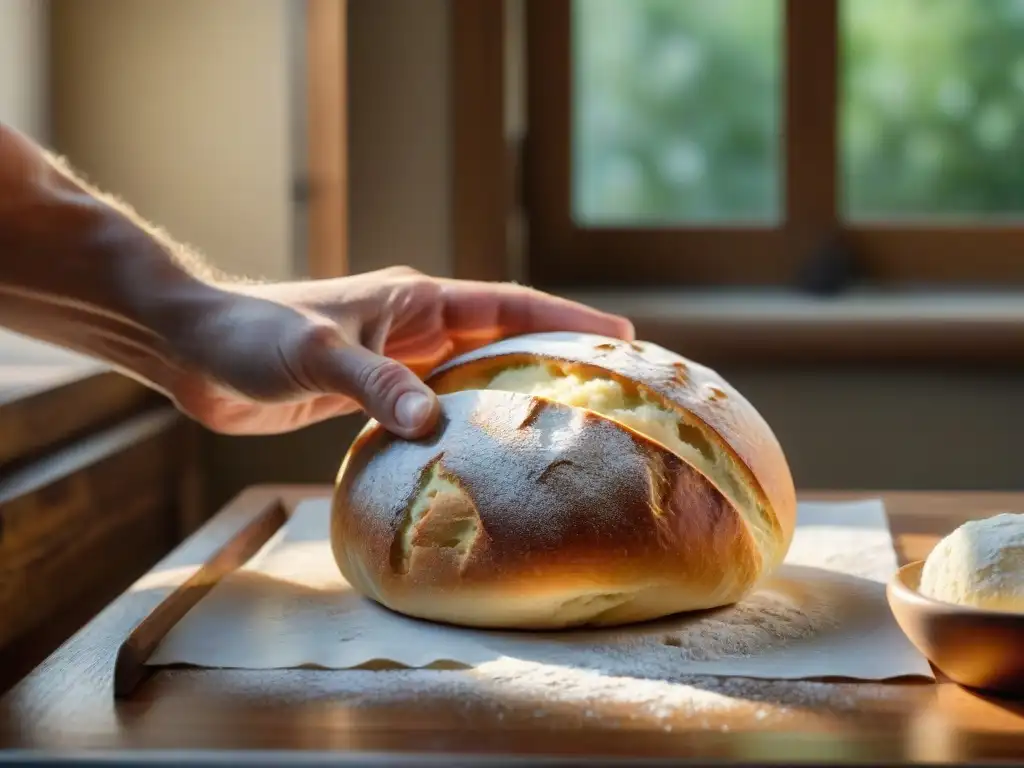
398,134
901,427
181,108
185,109
23,66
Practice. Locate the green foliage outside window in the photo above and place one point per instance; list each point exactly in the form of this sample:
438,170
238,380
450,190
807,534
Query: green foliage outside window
678,110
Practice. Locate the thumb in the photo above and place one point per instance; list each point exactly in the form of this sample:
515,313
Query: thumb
387,390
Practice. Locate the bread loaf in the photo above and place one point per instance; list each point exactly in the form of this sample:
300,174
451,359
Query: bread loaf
572,480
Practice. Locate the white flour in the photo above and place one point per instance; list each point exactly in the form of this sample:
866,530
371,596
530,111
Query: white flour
541,691
765,621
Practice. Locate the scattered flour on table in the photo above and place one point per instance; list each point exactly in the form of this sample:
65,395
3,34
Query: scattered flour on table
763,622
767,621
637,669
545,690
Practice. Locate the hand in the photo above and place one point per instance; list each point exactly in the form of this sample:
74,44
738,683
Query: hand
274,358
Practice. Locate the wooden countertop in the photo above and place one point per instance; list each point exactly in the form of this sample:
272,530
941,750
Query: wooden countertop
67,703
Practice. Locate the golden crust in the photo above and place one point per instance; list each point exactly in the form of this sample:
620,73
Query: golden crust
523,512
547,516
679,382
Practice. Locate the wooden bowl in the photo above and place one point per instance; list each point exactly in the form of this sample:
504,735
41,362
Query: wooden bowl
973,647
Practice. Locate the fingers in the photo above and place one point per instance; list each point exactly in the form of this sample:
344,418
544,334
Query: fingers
385,389
423,354
480,312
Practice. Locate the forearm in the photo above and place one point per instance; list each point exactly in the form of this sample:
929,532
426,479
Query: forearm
81,270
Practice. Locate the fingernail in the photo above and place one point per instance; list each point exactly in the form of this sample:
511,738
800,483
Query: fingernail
412,409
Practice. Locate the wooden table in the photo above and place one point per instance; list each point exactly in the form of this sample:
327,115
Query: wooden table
67,704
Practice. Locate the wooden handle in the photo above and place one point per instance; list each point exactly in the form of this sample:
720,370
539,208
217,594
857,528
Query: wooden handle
130,668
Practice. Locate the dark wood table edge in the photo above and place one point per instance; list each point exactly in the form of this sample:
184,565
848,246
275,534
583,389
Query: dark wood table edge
299,759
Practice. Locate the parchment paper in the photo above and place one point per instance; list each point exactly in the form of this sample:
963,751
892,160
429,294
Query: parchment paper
289,607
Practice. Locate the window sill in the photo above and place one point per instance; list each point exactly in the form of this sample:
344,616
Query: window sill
768,327
49,396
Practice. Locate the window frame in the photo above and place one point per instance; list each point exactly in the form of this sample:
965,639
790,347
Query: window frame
564,254
325,188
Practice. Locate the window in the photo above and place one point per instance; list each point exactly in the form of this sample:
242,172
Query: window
718,142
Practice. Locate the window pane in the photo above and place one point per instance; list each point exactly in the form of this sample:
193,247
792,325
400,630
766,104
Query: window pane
933,108
676,111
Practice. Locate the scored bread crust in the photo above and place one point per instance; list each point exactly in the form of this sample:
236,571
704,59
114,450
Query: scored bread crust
521,512
550,516
682,384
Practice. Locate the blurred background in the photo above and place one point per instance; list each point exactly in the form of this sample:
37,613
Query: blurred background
198,113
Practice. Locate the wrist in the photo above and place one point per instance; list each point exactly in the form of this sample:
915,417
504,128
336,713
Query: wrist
155,289
81,270
168,302
104,287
